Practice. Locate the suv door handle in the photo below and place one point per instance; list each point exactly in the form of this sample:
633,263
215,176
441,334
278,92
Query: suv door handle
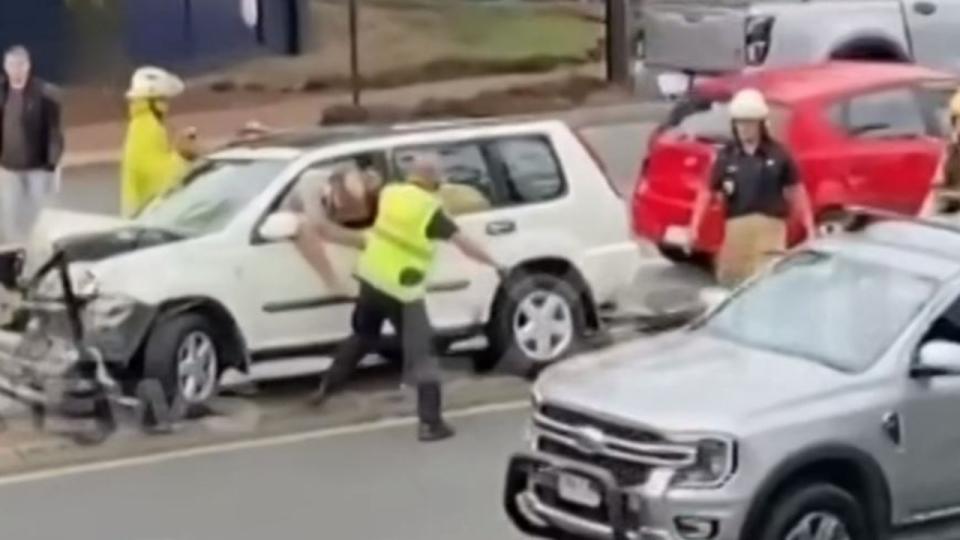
497,228
925,8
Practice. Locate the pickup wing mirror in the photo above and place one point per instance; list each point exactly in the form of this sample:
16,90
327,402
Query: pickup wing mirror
937,358
279,226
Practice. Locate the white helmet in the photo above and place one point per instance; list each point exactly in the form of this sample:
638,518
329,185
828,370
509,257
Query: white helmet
150,82
749,104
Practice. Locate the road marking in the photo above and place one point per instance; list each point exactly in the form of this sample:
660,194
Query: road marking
265,442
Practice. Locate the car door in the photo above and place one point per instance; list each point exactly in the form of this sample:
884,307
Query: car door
459,288
929,425
890,151
933,32
299,310
522,184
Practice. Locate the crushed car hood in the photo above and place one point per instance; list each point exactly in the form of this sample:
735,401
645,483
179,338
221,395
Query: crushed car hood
689,381
88,237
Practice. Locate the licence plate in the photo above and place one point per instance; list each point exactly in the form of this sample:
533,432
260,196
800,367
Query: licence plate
673,85
578,490
676,236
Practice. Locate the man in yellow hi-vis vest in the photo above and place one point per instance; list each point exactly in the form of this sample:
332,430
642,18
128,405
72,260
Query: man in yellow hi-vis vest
398,253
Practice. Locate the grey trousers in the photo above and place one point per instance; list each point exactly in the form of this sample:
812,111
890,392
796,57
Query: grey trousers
412,324
23,195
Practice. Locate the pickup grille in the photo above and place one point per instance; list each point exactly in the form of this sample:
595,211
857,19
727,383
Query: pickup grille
574,418
626,473
629,453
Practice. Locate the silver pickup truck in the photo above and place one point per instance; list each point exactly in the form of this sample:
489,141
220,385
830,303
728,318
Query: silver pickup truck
693,37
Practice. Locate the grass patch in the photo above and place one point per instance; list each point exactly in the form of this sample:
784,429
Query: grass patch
517,100
516,31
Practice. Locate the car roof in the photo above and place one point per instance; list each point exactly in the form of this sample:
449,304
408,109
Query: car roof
308,139
790,85
921,247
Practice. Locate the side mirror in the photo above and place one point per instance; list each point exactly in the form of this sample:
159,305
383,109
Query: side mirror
938,358
280,226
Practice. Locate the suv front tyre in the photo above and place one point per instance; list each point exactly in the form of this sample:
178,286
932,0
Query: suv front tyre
537,320
815,512
182,359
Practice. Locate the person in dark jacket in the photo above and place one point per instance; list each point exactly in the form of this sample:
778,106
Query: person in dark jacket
31,145
758,182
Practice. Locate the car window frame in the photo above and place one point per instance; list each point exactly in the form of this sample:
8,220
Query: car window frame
929,86
496,182
551,150
496,166
382,163
838,113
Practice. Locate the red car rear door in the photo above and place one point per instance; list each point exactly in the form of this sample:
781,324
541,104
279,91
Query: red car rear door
890,150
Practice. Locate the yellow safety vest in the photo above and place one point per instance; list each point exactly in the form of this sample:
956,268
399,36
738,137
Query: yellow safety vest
398,255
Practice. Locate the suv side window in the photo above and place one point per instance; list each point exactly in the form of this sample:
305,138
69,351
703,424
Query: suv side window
888,113
532,173
468,184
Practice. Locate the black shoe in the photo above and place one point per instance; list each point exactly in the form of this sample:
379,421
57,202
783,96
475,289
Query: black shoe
320,395
435,432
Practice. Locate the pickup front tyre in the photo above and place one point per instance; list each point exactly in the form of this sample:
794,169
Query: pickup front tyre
815,512
181,368
536,320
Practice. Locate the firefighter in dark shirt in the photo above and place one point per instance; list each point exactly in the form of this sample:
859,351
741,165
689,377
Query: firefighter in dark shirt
759,184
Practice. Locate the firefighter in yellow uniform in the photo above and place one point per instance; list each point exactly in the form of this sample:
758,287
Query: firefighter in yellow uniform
398,253
152,160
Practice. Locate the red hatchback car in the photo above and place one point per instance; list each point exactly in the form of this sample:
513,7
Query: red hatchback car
863,134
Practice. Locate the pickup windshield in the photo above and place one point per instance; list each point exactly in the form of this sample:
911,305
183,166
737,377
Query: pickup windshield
210,196
708,119
833,310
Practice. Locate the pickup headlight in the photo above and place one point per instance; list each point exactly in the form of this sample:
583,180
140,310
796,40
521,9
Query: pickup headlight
716,461
758,33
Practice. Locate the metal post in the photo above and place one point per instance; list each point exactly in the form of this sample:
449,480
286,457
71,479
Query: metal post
354,59
619,55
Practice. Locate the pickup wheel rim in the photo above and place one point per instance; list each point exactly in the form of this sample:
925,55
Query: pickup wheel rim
197,367
543,325
819,526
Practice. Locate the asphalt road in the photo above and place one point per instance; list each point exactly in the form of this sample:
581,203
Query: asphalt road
373,485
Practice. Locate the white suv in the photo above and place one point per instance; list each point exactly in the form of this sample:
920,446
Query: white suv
191,288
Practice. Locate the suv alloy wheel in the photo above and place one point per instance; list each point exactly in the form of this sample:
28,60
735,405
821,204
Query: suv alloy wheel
183,358
538,319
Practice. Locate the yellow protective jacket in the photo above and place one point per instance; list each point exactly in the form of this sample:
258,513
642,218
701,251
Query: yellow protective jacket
151,164
399,254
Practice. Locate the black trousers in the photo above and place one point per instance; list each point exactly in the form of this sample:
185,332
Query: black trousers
412,326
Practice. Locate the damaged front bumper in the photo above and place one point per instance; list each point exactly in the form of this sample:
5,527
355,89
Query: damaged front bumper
53,376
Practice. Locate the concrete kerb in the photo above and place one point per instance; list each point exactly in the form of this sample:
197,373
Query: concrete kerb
587,116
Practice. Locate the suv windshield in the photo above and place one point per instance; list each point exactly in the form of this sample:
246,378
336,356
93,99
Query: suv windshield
210,196
708,119
840,312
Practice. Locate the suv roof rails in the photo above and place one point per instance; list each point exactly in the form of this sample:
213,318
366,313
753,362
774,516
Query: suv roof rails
863,216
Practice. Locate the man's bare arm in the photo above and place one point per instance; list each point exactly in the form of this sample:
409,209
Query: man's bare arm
337,234
473,250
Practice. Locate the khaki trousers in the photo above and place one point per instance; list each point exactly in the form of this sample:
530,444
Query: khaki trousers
750,242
